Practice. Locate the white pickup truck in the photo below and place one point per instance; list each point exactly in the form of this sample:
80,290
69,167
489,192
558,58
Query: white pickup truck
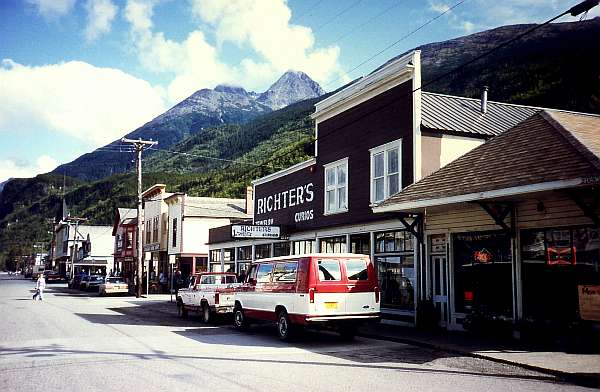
209,293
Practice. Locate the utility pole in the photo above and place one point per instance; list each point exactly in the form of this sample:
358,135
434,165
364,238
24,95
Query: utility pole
139,147
74,221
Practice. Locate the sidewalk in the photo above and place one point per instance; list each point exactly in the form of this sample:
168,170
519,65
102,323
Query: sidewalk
579,368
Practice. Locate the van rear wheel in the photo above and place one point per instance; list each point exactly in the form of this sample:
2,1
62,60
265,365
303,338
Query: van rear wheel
284,327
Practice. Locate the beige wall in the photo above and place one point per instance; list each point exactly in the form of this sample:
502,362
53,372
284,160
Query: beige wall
439,150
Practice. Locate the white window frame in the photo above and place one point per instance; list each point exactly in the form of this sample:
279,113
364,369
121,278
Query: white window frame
384,149
336,187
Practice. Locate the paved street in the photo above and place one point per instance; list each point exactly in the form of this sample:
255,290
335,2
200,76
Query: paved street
77,341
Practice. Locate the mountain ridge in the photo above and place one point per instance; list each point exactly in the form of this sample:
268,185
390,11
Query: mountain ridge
225,104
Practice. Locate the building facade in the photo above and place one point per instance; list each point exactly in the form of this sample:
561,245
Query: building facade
124,231
156,223
190,219
373,139
512,232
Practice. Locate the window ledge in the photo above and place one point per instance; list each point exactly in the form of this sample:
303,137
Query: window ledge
335,212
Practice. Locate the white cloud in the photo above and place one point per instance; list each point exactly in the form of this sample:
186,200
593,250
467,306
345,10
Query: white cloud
50,9
438,7
101,13
14,168
265,26
96,105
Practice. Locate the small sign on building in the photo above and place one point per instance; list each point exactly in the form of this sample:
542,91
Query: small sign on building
589,302
255,231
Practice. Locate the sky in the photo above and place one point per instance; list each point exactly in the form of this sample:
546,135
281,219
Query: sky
78,74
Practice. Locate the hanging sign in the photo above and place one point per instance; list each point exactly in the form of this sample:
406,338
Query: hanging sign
255,231
589,302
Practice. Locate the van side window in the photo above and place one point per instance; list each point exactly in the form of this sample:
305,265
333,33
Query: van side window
357,269
329,270
264,273
208,279
285,272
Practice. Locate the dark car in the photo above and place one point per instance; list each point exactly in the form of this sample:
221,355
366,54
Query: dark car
91,282
52,276
75,283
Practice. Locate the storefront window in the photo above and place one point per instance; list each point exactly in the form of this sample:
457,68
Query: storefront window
262,251
242,271
244,253
483,273
395,263
228,254
304,247
215,255
201,264
397,280
333,245
554,263
393,241
281,249
360,244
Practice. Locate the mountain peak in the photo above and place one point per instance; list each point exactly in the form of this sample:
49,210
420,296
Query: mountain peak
231,89
292,86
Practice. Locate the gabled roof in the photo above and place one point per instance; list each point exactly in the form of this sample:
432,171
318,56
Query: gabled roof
124,216
214,207
441,112
550,150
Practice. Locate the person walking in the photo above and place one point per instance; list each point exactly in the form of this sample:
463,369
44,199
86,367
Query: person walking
40,285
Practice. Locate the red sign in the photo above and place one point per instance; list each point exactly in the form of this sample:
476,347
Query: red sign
561,255
482,256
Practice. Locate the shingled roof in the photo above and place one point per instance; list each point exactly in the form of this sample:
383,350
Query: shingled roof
450,113
549,150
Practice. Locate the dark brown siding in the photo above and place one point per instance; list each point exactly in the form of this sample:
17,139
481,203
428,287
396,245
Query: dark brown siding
351,134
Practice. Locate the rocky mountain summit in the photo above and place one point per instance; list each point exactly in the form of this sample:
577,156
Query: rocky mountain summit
225,104
292,87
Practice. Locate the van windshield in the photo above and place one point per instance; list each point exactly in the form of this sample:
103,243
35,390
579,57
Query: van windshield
329,270
357,269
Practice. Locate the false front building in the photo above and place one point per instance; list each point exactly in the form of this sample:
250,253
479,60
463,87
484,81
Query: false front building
373,138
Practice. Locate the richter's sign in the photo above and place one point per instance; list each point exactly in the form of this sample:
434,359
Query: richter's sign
251,231
289,198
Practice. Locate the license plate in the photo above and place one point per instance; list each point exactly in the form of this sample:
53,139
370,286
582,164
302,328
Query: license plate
331,305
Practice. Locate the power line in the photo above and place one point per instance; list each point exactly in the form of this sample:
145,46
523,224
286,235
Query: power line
400,40
337,15
359,27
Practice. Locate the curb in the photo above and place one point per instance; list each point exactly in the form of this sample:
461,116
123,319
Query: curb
581,379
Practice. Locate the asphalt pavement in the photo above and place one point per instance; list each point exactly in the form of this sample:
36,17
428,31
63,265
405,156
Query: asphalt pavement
75,341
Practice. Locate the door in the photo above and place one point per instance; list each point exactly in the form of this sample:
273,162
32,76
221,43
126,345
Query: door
439,265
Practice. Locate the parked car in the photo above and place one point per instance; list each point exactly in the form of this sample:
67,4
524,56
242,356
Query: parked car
52,276
36,271
322,290
91,282
75,282
209,293
113,285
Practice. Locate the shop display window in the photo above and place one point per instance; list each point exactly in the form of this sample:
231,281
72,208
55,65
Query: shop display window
244,253
360,244
262,251
483,273
281,249
229,254
393,241
304,247
333,244
555,261
397,280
